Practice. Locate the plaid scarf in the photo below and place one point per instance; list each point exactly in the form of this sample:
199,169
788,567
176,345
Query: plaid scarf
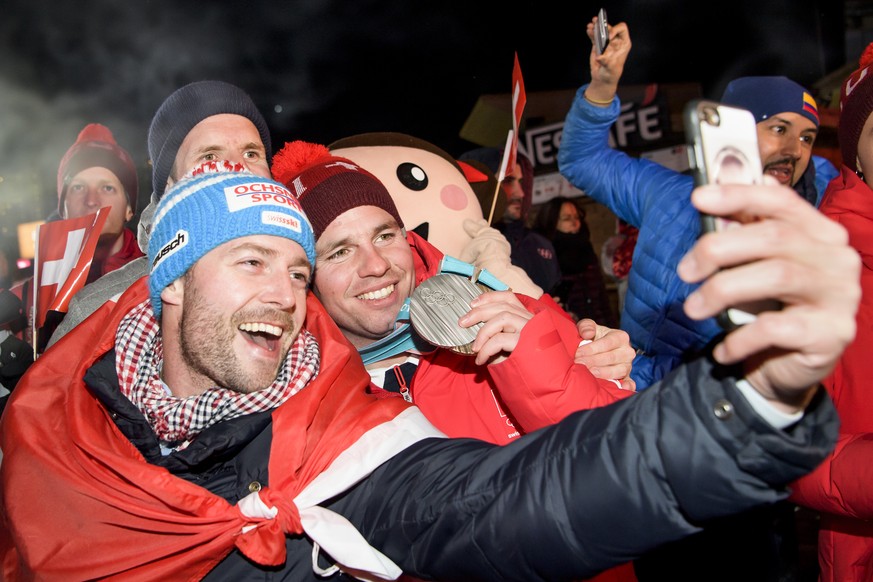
178,420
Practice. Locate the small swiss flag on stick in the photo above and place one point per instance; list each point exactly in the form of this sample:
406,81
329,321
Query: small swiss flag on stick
510,151
64,251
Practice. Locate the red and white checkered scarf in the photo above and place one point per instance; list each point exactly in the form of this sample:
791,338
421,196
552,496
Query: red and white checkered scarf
178,420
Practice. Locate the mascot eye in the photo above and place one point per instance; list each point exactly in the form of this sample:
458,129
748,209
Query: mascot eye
412,176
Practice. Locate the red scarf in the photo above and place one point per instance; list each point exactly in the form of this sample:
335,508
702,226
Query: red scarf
80,502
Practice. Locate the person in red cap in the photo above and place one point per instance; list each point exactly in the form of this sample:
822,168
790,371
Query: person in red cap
840,488
94,173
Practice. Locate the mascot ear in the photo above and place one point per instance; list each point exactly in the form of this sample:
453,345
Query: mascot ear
472,175
484,184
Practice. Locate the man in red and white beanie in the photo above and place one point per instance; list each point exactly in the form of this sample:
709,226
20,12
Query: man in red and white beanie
367,268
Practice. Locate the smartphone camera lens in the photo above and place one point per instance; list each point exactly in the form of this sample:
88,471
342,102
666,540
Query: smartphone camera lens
710,114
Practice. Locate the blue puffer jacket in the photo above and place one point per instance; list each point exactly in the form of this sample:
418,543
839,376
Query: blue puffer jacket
656,200
825,171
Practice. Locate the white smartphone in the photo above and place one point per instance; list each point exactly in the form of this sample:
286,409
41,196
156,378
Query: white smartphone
724,150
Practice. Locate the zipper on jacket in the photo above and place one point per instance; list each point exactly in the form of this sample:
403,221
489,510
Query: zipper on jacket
401,381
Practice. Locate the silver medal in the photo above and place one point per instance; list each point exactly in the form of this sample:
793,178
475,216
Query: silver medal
435,307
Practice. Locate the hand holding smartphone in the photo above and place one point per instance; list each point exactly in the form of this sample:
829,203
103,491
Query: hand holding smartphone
724,150
601,32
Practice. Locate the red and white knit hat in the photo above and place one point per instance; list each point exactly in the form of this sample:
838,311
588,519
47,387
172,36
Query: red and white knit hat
327,185
96,147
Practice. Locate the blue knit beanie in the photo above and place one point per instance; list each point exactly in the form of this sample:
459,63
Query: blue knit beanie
767,96
184,109
200,213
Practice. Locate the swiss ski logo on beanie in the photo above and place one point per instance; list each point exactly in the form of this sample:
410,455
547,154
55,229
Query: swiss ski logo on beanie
281,219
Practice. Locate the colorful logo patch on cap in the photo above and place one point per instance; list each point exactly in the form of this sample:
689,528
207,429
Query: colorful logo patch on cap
272,218
178,243
809,106
251,194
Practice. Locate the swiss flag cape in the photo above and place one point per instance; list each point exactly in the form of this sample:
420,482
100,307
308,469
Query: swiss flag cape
64,252
80,502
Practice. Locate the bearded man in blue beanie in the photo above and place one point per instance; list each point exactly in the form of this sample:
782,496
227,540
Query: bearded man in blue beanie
204,121
655,199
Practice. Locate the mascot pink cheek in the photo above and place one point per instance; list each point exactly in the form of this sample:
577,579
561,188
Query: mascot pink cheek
453,197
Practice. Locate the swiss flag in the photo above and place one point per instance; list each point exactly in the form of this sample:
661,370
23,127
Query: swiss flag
64,252
519,100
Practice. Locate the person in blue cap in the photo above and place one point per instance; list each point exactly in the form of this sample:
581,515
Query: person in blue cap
655,199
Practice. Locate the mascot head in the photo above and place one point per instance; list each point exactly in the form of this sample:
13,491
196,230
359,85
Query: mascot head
434,193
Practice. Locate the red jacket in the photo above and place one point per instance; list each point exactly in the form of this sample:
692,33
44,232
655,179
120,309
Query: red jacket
80,502
842,487
537,385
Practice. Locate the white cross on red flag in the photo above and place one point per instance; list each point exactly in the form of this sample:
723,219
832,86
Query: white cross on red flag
519,100
64,252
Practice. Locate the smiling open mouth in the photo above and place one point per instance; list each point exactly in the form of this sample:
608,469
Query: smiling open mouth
377,294
263,335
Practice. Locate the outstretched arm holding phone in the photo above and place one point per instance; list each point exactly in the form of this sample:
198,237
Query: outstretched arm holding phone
646,195
794,254
606,68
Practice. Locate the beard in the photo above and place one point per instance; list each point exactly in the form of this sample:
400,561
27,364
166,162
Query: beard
791,162
206,340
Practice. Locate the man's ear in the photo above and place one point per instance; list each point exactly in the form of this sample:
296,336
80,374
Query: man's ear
174,292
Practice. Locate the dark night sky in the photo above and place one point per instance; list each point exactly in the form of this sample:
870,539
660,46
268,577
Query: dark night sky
325,69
